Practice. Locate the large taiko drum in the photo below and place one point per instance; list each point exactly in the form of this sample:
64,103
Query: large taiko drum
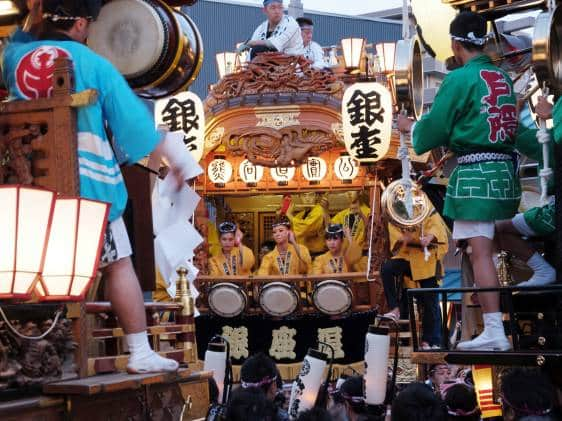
332,297
227,299
157,49
278,299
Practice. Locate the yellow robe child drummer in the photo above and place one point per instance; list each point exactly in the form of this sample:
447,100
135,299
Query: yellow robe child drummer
338,259
288,257
234,258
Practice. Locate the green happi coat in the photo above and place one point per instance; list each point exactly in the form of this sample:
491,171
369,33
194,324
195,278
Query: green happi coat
541,219
474,112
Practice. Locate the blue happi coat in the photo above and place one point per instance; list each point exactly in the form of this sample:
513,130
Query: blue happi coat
27,69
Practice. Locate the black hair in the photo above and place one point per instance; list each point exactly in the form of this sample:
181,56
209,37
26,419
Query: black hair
282,220
314,414
466,23
305,22
250,405
461,403
68,9
418,403
526,391
334,231
269,244
257,368
353,388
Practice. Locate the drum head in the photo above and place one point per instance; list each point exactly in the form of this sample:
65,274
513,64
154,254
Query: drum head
278,299
130,34
332,297
227,300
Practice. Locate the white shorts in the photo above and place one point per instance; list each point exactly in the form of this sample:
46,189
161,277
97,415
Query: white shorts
463,230
116,244
521,225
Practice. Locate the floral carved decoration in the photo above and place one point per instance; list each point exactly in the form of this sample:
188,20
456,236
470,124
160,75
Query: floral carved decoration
16,153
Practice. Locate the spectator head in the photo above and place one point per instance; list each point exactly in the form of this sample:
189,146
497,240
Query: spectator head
314,414
249,405
461,401
260,372
439,374
352,394
526,394
418,403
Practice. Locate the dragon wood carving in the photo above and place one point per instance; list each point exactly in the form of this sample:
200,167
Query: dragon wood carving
286,147
273,73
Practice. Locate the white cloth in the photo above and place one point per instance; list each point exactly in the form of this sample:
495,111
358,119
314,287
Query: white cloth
286,37
116,244
463,230
313,52
521,225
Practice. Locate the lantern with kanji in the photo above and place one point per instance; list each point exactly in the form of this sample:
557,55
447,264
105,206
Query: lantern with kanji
184,112
314,170
346,168
367,121
282,175
249,173
219,171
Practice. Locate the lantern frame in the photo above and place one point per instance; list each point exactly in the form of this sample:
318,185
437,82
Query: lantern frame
42,243
42,288
224,60
353,51
386,53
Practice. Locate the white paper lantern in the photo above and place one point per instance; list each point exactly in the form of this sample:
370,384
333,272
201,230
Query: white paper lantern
215,361
353,49
249,173
367,121
308,382
226,63
219,171
377,346
314,170
282,175
346,168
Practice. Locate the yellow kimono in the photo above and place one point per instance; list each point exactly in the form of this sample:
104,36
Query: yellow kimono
327,263
272,264
415,255
219,266
309,229
213,239
358,229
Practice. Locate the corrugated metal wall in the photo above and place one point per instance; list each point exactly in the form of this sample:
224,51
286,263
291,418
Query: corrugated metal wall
222,25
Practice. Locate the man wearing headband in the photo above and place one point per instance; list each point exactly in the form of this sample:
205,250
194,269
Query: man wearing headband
288,257
422,269
312,50
28,67
354,218
537,221
235,258
475,115
278,33
338,259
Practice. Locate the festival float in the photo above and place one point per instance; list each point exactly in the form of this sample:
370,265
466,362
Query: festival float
274,135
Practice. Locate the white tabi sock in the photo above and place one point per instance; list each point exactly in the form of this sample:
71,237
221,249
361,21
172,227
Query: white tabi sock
543,272
143,359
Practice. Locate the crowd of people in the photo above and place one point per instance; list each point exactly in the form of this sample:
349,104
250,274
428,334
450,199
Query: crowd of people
448,394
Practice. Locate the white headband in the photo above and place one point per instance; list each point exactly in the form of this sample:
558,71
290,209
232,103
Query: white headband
471,38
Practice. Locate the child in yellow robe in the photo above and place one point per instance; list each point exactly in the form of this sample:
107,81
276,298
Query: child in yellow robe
234,258
338,259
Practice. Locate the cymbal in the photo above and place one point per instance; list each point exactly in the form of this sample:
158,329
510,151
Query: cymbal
434,17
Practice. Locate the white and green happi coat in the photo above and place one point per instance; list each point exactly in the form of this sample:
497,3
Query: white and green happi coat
474,114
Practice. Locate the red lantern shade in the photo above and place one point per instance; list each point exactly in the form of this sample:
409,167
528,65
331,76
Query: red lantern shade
25,221
73,250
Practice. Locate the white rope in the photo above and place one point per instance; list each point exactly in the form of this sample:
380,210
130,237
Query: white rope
373,204
31,338
405,20
543,137
406,181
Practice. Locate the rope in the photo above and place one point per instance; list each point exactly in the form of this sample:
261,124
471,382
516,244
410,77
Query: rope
543,137
31,338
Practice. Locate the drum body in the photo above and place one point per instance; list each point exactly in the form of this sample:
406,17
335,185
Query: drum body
332,297
278,299
157,49
227,299
393,203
